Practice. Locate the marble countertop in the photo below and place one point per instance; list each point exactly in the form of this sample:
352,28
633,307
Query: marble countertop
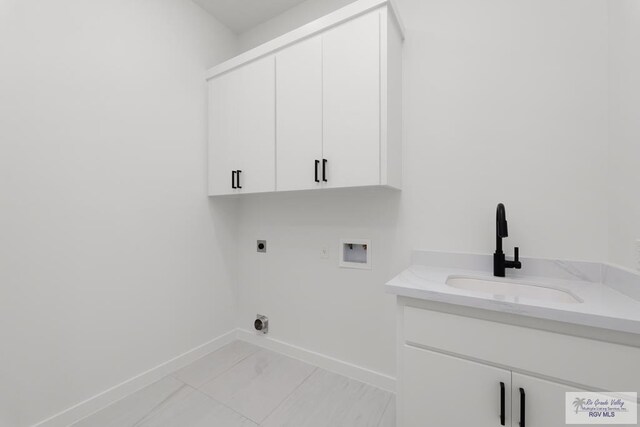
609,295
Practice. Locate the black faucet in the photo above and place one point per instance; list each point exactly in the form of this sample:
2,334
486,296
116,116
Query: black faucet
499,261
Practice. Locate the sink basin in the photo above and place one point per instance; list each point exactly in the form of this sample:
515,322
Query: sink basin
509,288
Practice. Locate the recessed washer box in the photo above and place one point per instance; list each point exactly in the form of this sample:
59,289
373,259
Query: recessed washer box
355,253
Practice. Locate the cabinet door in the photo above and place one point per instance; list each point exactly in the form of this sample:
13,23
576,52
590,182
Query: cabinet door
243,129
223,132
256,148
299,115
351,102
544,401
445,391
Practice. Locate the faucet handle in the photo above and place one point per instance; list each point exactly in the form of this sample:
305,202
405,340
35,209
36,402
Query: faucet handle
516,254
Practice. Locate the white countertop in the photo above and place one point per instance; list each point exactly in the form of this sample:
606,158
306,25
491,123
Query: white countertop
603,305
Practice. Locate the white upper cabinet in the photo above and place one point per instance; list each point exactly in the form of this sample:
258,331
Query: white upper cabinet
351,102
223,94
320,107
299,117
242,129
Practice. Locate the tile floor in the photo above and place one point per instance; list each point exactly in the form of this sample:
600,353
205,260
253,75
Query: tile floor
243,385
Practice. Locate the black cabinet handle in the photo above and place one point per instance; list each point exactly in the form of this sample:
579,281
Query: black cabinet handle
502,403
522,406
317,164
239,186
233,179
324,170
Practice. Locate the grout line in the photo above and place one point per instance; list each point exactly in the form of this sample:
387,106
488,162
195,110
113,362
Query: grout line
97,411
315,368
242,359
161,403
386,408
172,376
220,373
227,406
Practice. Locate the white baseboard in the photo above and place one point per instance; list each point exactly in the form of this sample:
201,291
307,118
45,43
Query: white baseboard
356,372
107,397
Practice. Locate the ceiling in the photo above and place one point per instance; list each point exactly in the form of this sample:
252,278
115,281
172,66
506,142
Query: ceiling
241,15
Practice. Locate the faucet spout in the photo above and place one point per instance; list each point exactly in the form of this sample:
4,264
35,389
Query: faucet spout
500,264
501,222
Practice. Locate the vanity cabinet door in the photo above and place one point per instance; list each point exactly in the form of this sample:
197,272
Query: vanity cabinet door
351,102
544,401
445,391
299,115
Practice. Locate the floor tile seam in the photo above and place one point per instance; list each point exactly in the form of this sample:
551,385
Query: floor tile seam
208,396
162,402
219,374
386,408
315,368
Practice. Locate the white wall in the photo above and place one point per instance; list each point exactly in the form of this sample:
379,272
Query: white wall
504,101
624,18
112,259
289,20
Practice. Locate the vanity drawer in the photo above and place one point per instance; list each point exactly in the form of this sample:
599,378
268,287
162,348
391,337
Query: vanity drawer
590,363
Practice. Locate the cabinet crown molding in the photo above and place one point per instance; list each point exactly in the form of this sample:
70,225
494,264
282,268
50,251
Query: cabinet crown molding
324,23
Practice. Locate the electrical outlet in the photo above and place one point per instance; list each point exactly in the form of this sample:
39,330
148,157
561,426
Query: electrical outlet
324,252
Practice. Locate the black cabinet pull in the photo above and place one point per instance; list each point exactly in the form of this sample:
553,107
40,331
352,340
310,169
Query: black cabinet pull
233,179
324,170
502,403
317,164
239,171
522,406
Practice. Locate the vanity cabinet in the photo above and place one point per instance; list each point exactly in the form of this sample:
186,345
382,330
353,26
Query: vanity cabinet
456,370
320,107
447,391
451,391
